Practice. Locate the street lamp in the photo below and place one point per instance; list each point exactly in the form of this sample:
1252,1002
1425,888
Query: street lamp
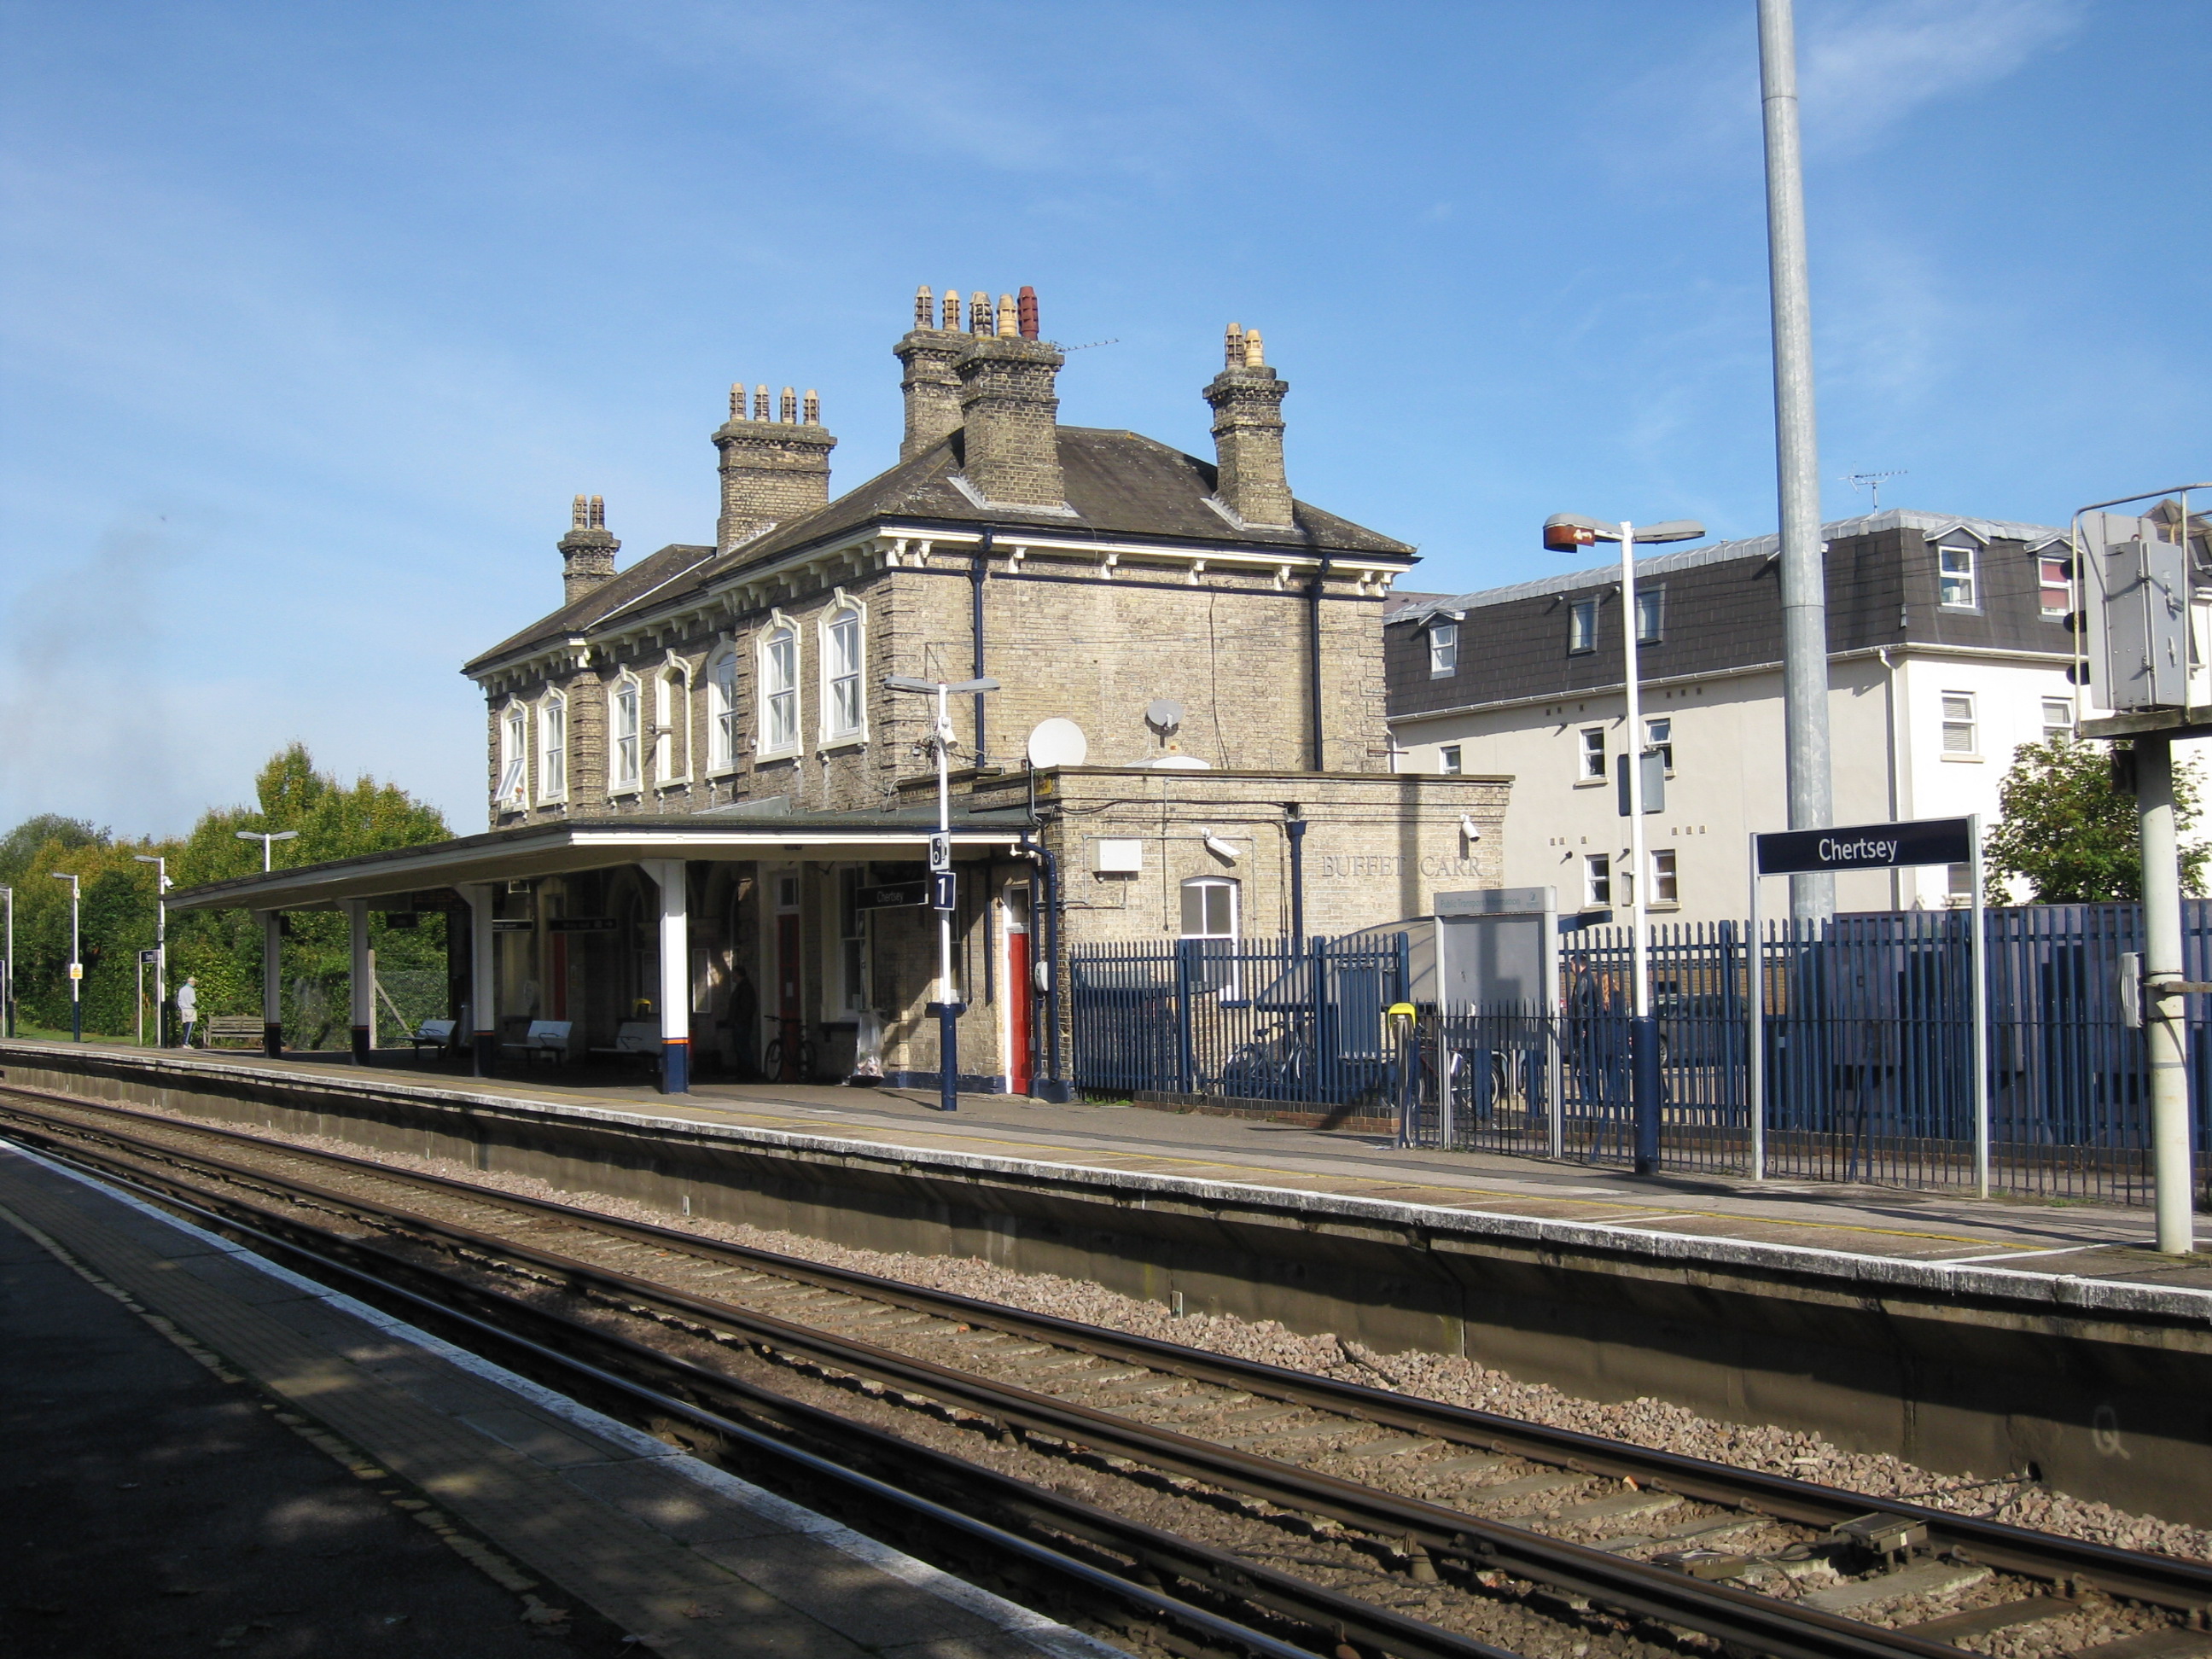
265,838
161,936
943,892
77,967
1564,531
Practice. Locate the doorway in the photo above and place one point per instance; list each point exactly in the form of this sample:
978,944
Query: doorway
1019,1000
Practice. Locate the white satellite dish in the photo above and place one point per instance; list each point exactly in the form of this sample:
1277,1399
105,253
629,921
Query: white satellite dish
1058,742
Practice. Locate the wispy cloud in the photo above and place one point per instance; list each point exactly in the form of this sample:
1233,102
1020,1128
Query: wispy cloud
1864,68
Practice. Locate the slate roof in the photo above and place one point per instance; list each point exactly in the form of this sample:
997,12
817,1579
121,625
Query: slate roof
1121,486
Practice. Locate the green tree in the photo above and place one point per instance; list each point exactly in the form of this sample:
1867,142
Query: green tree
2070,836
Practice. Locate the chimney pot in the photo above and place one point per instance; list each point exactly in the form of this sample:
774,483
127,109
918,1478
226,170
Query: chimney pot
924,303
787,410
1256,353
760,403
951,310
810,409
1025,304
979,312
1008,326
579,515
738,401
1232,347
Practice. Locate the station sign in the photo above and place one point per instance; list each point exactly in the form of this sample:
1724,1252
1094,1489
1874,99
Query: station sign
1866,846
583,925
944,890
512,924
894,895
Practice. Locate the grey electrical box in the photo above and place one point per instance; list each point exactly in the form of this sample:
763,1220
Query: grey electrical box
1654,781
2136,593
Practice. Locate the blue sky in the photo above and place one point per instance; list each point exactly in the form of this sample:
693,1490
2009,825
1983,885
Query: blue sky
312,317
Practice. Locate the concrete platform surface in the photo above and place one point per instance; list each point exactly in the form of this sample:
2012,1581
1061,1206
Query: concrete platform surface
2066,1239
327,1478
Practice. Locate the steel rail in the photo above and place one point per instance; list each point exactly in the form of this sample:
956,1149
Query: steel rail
1760,1622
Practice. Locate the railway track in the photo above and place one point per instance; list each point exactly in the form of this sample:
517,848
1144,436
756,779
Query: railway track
1426,1530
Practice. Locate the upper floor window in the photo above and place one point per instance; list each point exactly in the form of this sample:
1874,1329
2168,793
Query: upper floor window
722,711
1592,764
671,724
1651,611
1597,880
1959,734
1954,578
2057,718
779,688
1444,649
1448,759
626,712
513,757
2054,580
1659,737
553,749
843,709
1581,626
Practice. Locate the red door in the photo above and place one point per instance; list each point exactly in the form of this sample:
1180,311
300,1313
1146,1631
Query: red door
788,1025
1019,1001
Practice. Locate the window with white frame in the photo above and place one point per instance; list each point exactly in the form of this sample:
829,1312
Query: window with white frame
1581,626
844,709
513,757
1591,758
1650,613
1954,577
1448,759
671,724
625,719
1666,888
1209,908
1597,880
2057,718
722,711
2054,580
553,748
779,688
1659,736
1444,649
1960,736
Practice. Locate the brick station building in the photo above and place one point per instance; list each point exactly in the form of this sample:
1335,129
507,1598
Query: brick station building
708,809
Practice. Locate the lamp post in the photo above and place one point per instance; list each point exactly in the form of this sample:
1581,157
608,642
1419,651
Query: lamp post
1564,531
76,966
160,937
266,838
944,894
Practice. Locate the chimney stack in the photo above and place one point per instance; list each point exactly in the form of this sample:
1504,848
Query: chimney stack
928,352
1009,413
587,552
1248,433
773,470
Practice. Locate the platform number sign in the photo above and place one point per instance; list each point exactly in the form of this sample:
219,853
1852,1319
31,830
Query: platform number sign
943,892
940,852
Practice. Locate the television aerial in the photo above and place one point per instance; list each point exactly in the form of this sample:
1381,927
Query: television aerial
1871,483
1058,742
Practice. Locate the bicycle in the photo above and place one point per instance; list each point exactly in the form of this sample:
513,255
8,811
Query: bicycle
801,1050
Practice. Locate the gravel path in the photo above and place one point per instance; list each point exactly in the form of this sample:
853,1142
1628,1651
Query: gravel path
1452,1380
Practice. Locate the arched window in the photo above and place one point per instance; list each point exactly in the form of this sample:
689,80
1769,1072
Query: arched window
623,712
671,724
513,793
553,748
1209,908
722,711
844,646
779,687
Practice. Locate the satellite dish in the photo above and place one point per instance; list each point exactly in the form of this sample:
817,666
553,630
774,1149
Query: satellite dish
1164,714
1179,763
1058,742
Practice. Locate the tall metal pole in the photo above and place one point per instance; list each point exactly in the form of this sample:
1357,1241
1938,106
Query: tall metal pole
1797,461
2165,1029
8,967
1643,1030
948,1014
77,967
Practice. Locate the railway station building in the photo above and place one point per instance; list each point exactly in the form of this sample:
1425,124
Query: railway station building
709,814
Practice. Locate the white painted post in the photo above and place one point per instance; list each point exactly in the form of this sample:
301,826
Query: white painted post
2166,1028
1754,1046
361,979
272,983
675,974
483,990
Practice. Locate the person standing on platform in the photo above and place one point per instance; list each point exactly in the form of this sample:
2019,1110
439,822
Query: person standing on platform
188,1012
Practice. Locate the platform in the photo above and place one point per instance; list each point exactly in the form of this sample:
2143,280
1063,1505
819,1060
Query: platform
208,1433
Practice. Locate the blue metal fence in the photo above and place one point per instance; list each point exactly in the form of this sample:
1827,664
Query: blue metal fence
1237,1019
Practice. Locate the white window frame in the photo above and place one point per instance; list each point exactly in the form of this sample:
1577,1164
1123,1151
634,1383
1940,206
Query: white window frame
1651,606
1970,723
625,765
2044,587
1585,753
553,748
777,703
513,793
1451,759
723,736
1659,733
2064,725
843,610
1597,881
1968,578
1443,650
671,722
1206,884
1581,640
1666,878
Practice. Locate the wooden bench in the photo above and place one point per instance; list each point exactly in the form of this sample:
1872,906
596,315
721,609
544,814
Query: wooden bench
231,1028
432,1034
547,1039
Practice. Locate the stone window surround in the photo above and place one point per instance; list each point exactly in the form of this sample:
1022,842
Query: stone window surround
618,782
672,720
777,628
553,747
725,738
511,791
842,606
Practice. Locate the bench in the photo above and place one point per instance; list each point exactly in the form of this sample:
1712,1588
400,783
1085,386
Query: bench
546,1038
232,1028
432,1034
636,1039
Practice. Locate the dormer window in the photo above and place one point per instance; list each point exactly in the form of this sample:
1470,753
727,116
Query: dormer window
1444,649
1954,577
1582,627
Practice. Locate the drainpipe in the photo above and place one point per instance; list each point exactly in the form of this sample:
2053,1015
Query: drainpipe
1295,826
979,571
1314,589
1045,921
